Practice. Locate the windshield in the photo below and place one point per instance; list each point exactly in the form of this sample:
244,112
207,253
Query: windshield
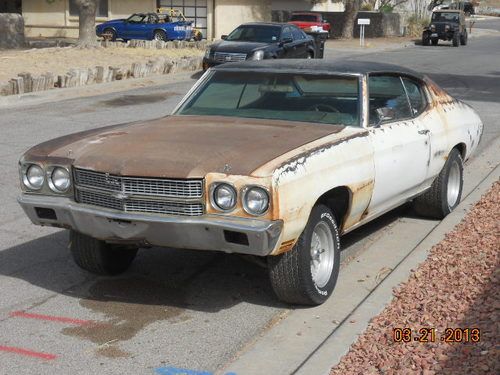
136,18
293,97
304,17
445,17
260,34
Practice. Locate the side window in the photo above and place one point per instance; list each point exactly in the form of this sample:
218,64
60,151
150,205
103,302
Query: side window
287,33
297,34
416,95
388,100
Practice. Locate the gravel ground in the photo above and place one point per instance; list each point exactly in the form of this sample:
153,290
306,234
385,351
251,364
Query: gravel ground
59,60
458,286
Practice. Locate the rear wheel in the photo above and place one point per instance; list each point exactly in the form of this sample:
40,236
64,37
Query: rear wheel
307,274
99,257
109,34
463,38
446,190
160,35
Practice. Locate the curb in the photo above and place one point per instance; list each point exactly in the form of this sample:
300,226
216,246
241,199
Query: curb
312,340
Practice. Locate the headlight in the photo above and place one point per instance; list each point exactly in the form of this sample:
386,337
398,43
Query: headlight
258,55
223,196
207,53
60,180
34,177
255,200
433,26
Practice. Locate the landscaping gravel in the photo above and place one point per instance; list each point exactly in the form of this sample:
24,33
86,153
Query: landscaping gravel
458,286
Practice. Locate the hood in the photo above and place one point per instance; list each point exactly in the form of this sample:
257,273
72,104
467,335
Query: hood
238,47
111,22
182,146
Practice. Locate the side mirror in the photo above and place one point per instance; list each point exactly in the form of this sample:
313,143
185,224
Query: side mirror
286,41
385,114
223,37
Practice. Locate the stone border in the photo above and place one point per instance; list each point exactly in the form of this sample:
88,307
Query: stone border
156,44
26,82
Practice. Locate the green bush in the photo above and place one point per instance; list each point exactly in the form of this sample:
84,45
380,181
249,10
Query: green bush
386,8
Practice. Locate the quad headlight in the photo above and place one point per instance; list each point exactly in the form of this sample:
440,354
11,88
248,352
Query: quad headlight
59,180
33,177
223,196
255,200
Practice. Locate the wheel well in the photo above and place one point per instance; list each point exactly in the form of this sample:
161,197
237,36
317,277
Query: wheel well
462,148
338,200
161,30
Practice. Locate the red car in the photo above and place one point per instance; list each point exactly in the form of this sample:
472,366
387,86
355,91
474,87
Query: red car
310,21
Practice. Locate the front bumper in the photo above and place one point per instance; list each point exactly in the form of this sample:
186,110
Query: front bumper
208,232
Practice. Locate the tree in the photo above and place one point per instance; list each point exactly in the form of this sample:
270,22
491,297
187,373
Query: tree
86,22
351,8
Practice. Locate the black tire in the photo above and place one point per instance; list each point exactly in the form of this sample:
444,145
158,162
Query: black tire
109,34
434,41
160,35
456,39
434,202
425,39
291,274
463,38
99,257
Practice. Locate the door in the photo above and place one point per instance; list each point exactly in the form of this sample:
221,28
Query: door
400,143
290,48
133,26
300,41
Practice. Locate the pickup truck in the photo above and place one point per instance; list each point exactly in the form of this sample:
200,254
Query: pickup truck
310,22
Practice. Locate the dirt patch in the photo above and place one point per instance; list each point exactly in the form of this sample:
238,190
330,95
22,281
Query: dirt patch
60,60
457,287
130,304
128,100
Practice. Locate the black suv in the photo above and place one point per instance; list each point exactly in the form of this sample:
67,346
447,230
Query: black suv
446,25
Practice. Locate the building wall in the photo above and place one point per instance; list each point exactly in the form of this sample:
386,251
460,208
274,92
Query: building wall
229,14
52,19
306,5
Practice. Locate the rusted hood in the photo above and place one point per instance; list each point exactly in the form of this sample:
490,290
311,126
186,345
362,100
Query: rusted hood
183,146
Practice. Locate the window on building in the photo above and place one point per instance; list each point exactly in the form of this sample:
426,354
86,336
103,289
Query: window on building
102,8
10,6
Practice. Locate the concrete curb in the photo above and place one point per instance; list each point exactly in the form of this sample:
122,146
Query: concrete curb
311,341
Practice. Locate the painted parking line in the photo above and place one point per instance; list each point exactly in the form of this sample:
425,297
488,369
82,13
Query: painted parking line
51,318
182,371
28,353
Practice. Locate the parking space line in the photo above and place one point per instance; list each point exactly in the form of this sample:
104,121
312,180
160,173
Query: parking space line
61,319
27,352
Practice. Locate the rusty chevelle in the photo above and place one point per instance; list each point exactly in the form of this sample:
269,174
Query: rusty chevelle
274,159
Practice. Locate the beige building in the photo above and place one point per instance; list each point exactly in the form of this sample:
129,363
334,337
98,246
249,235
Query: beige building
59,18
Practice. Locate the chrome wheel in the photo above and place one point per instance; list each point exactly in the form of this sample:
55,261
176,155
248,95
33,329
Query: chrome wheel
453,188
322,254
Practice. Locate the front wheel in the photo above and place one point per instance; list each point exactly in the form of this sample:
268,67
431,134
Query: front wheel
99,257
425,39
160,35
307,274
446,190
463,38
456,39
109,34
435,41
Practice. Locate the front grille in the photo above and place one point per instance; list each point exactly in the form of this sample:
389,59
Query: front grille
223,57
140,186
139,205
135,194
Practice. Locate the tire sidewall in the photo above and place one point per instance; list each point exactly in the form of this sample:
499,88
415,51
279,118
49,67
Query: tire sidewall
316,293
454,156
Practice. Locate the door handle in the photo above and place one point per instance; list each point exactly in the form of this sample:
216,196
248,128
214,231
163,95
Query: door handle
424,132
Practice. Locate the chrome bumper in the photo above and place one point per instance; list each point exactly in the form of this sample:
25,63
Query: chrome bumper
209,232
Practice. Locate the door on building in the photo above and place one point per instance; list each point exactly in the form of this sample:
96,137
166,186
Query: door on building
11,6
194,10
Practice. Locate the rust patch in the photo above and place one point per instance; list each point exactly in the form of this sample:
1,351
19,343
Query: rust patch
130,305
360,202
286,246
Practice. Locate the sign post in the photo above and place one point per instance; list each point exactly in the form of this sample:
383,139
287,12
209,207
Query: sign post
362,22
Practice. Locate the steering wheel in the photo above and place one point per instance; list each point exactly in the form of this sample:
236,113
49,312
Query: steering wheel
322,107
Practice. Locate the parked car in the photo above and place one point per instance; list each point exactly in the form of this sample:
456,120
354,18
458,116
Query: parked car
275,159
148,26
310,22
446,25
259,41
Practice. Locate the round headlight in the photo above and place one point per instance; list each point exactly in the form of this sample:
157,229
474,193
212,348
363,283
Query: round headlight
207,52
34,177
224,197
255,200
60,180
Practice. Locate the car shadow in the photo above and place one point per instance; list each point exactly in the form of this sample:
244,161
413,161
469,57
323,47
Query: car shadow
197,75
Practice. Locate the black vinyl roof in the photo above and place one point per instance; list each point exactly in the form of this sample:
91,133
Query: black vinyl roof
318,67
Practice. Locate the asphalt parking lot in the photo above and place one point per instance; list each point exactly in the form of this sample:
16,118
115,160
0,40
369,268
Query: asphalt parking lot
173,309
